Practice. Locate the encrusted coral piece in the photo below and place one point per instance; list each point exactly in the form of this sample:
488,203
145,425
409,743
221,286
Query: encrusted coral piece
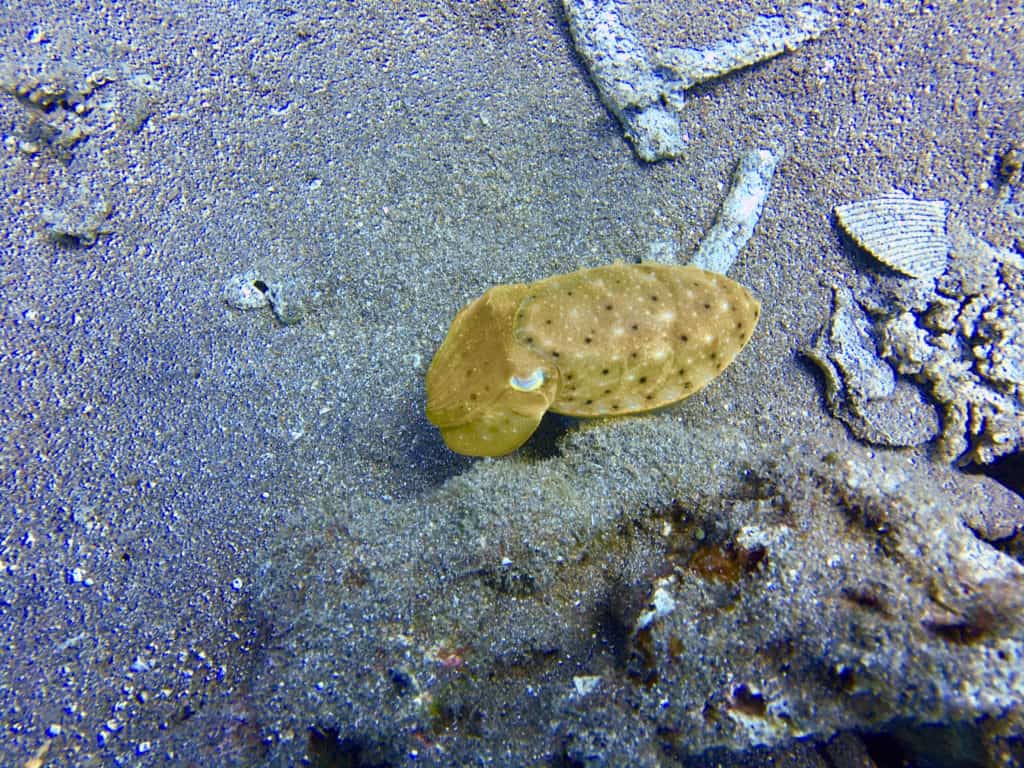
860,388
740,212
645,92
969,347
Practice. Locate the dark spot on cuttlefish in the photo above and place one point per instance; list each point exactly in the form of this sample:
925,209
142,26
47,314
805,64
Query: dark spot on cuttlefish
628,360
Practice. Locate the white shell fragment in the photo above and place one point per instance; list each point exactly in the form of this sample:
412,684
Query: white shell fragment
245,291
900,231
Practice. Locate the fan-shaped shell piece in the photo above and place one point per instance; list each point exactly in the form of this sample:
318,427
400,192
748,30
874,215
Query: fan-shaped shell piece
613,340
903,233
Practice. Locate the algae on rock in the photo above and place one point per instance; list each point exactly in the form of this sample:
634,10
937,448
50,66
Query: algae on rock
773,592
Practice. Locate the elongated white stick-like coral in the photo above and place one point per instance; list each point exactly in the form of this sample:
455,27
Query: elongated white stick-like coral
646,92
766,38
751,183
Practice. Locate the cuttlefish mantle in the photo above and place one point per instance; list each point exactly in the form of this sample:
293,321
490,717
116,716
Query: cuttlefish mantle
608,341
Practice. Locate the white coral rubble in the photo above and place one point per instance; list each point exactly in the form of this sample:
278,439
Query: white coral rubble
969,348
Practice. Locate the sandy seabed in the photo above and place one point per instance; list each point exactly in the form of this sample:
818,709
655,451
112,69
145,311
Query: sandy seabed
214,546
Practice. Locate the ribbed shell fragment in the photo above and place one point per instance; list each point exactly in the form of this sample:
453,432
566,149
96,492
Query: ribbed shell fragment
904,233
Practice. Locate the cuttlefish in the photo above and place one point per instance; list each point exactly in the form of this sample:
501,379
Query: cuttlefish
613,340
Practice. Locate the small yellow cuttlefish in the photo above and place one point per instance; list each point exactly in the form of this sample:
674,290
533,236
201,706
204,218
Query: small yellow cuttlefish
612,340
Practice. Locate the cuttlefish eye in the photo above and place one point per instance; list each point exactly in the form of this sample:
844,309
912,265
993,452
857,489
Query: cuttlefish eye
534,381
620,339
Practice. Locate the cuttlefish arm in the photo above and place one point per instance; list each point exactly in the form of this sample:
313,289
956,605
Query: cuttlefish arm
485,391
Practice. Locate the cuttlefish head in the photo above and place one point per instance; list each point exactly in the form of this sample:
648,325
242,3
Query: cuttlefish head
487,392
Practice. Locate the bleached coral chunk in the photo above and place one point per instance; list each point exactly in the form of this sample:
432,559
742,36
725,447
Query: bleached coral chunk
975,365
